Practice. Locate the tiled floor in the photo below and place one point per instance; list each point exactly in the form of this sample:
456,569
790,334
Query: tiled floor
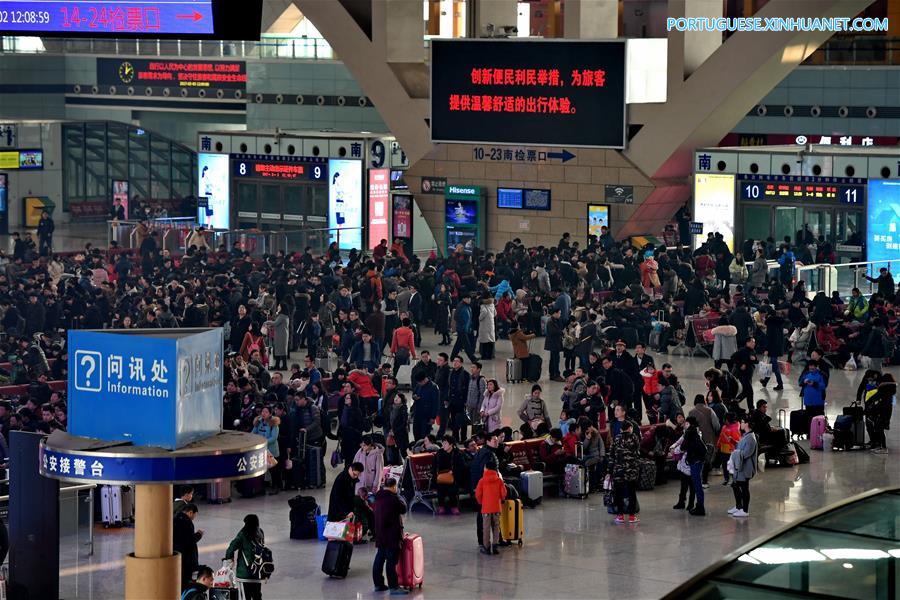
572,549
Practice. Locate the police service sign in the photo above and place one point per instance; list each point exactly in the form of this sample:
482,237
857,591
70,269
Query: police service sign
149,387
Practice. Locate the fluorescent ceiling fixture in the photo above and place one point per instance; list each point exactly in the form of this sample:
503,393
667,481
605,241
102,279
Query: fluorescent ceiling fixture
854,553
646,65
781,556
894,553
748,559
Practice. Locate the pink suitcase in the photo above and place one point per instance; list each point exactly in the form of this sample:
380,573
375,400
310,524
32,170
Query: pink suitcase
411,568
816,430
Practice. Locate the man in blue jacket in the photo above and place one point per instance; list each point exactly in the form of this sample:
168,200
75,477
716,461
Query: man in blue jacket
463,318
427,401
812,388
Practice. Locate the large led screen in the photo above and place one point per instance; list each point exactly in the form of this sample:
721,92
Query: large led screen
714,206
538,92
345,203
214,184
883,231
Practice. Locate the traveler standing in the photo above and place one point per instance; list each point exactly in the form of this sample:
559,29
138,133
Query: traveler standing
389,511
184,541
623,468
553,342
490,494
244,545
743,466
463,319
266,425
45,230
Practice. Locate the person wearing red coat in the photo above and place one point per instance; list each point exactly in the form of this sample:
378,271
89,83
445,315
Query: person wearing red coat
368,396
490,494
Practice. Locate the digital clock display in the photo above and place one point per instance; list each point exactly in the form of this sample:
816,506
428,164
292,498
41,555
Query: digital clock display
130,18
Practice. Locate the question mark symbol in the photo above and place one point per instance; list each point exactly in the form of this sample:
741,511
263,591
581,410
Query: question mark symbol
88,360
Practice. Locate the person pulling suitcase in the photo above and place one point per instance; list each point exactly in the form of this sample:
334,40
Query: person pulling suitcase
389,511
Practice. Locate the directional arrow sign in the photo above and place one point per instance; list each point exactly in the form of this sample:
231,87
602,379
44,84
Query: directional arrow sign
195,17
565,155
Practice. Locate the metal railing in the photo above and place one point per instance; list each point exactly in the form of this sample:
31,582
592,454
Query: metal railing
844,277
857,50
267,47
259,243
173,233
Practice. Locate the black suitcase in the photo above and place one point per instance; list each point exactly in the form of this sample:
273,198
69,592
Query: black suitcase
535,366
800,421
858,431
336,562
314,468
304,511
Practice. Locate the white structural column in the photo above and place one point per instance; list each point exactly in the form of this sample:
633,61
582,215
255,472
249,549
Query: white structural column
367,60
591,19
495,12
399,26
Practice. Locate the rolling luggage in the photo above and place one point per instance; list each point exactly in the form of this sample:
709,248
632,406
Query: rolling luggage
304,511
817,429
219,492
535,366
314,468
646,474
512,518
800,420
858,429
116,505
249,488
404,378
513,370
411,567
575,481
532,487
336,562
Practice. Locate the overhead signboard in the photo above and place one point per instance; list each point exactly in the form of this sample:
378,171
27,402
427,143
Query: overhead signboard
538,92
145,18
230,75
802,188
527,199
315,169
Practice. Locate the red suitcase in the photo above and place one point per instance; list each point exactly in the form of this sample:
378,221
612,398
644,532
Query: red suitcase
411,567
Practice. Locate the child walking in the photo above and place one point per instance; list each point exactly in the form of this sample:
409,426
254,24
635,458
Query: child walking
490,493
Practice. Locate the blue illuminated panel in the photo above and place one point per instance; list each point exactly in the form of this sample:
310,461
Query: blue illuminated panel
179,17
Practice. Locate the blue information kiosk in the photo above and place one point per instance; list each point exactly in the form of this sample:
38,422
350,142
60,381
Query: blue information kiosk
145,408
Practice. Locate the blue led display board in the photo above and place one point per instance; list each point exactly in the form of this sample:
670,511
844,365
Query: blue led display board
148,18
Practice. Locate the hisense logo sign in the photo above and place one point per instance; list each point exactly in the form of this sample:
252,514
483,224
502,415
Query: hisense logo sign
465,191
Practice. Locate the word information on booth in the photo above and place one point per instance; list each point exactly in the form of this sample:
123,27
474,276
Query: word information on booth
553,93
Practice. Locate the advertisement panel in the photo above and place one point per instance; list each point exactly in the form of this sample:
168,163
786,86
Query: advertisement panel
402,215
598,216
714,206
12,160
120,193
882,233
379,195
345,201
538,92
228,75
214,184
4,204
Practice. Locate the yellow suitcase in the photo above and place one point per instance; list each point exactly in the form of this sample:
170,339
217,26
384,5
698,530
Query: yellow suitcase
511,521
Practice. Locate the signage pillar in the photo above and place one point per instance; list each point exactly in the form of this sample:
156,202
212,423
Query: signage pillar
464,217
153,570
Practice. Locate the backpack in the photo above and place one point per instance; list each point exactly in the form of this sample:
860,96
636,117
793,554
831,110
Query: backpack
263,564
366,290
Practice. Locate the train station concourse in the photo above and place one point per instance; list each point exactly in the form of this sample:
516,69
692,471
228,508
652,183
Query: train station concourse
487,299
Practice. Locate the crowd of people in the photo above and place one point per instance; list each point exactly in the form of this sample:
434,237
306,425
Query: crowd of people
366,382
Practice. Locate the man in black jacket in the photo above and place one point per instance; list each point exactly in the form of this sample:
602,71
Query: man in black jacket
458,394
343,492
389,511
625,362
621,387
744,363
184,541
553,343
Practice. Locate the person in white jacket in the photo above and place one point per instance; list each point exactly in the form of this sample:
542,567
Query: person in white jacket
487,334
492,405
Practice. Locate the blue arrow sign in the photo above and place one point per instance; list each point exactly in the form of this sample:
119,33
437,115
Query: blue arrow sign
565,155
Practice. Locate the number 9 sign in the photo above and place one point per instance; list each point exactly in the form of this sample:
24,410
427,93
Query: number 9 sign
378,154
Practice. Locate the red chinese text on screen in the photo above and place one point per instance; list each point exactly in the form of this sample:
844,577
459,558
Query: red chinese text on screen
537,77
511,104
